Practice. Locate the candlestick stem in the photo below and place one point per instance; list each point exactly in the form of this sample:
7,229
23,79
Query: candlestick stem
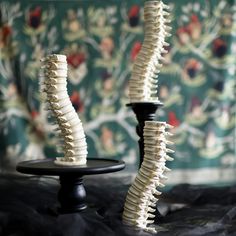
144,111
72,194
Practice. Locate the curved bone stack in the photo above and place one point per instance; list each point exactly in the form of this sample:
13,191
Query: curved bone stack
53,81
143,82
140,204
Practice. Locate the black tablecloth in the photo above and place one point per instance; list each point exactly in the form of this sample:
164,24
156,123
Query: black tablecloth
28,207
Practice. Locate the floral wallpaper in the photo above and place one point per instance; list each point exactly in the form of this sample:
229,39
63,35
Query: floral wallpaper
101,40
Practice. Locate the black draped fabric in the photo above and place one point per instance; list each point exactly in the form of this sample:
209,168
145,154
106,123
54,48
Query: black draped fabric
28,207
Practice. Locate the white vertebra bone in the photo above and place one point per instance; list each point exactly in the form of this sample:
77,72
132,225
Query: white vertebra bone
140,204
53,83
150,57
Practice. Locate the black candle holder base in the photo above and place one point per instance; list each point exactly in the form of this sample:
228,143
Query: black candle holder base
72,194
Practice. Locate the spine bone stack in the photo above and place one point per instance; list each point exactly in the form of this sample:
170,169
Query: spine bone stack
143,82
140,204
53,81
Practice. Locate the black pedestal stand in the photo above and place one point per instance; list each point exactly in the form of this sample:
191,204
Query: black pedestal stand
72,195
144,111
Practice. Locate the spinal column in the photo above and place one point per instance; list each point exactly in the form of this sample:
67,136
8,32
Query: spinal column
140,203
143,82
142,196
53,81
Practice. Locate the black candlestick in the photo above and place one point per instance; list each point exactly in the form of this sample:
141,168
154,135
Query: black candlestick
144,111
72,194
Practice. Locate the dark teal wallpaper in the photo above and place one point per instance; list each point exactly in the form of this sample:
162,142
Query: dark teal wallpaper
101,40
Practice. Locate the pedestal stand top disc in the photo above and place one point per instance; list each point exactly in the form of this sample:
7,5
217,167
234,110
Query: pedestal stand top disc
48,167
157,103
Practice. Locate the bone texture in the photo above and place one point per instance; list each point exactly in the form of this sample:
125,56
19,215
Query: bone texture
142,196
143,83
53,81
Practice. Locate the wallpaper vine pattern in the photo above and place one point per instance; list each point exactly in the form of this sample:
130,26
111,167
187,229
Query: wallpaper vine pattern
101,40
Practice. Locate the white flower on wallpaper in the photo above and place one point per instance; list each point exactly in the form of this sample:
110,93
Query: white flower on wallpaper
76,75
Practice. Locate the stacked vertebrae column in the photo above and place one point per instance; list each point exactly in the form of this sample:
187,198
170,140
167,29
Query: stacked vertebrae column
142,196
143,83
140,203
53,80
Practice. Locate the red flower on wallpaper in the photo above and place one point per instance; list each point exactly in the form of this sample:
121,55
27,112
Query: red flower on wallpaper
133,15
194,27
107,46
76,102
34,114
172,119
195,102
219,47
107,139
108,83
37,127
135,50
34,18
183,35
192,66
5,34
167,57
191,31
76,59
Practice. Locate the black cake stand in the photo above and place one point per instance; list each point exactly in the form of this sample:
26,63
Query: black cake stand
71,195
